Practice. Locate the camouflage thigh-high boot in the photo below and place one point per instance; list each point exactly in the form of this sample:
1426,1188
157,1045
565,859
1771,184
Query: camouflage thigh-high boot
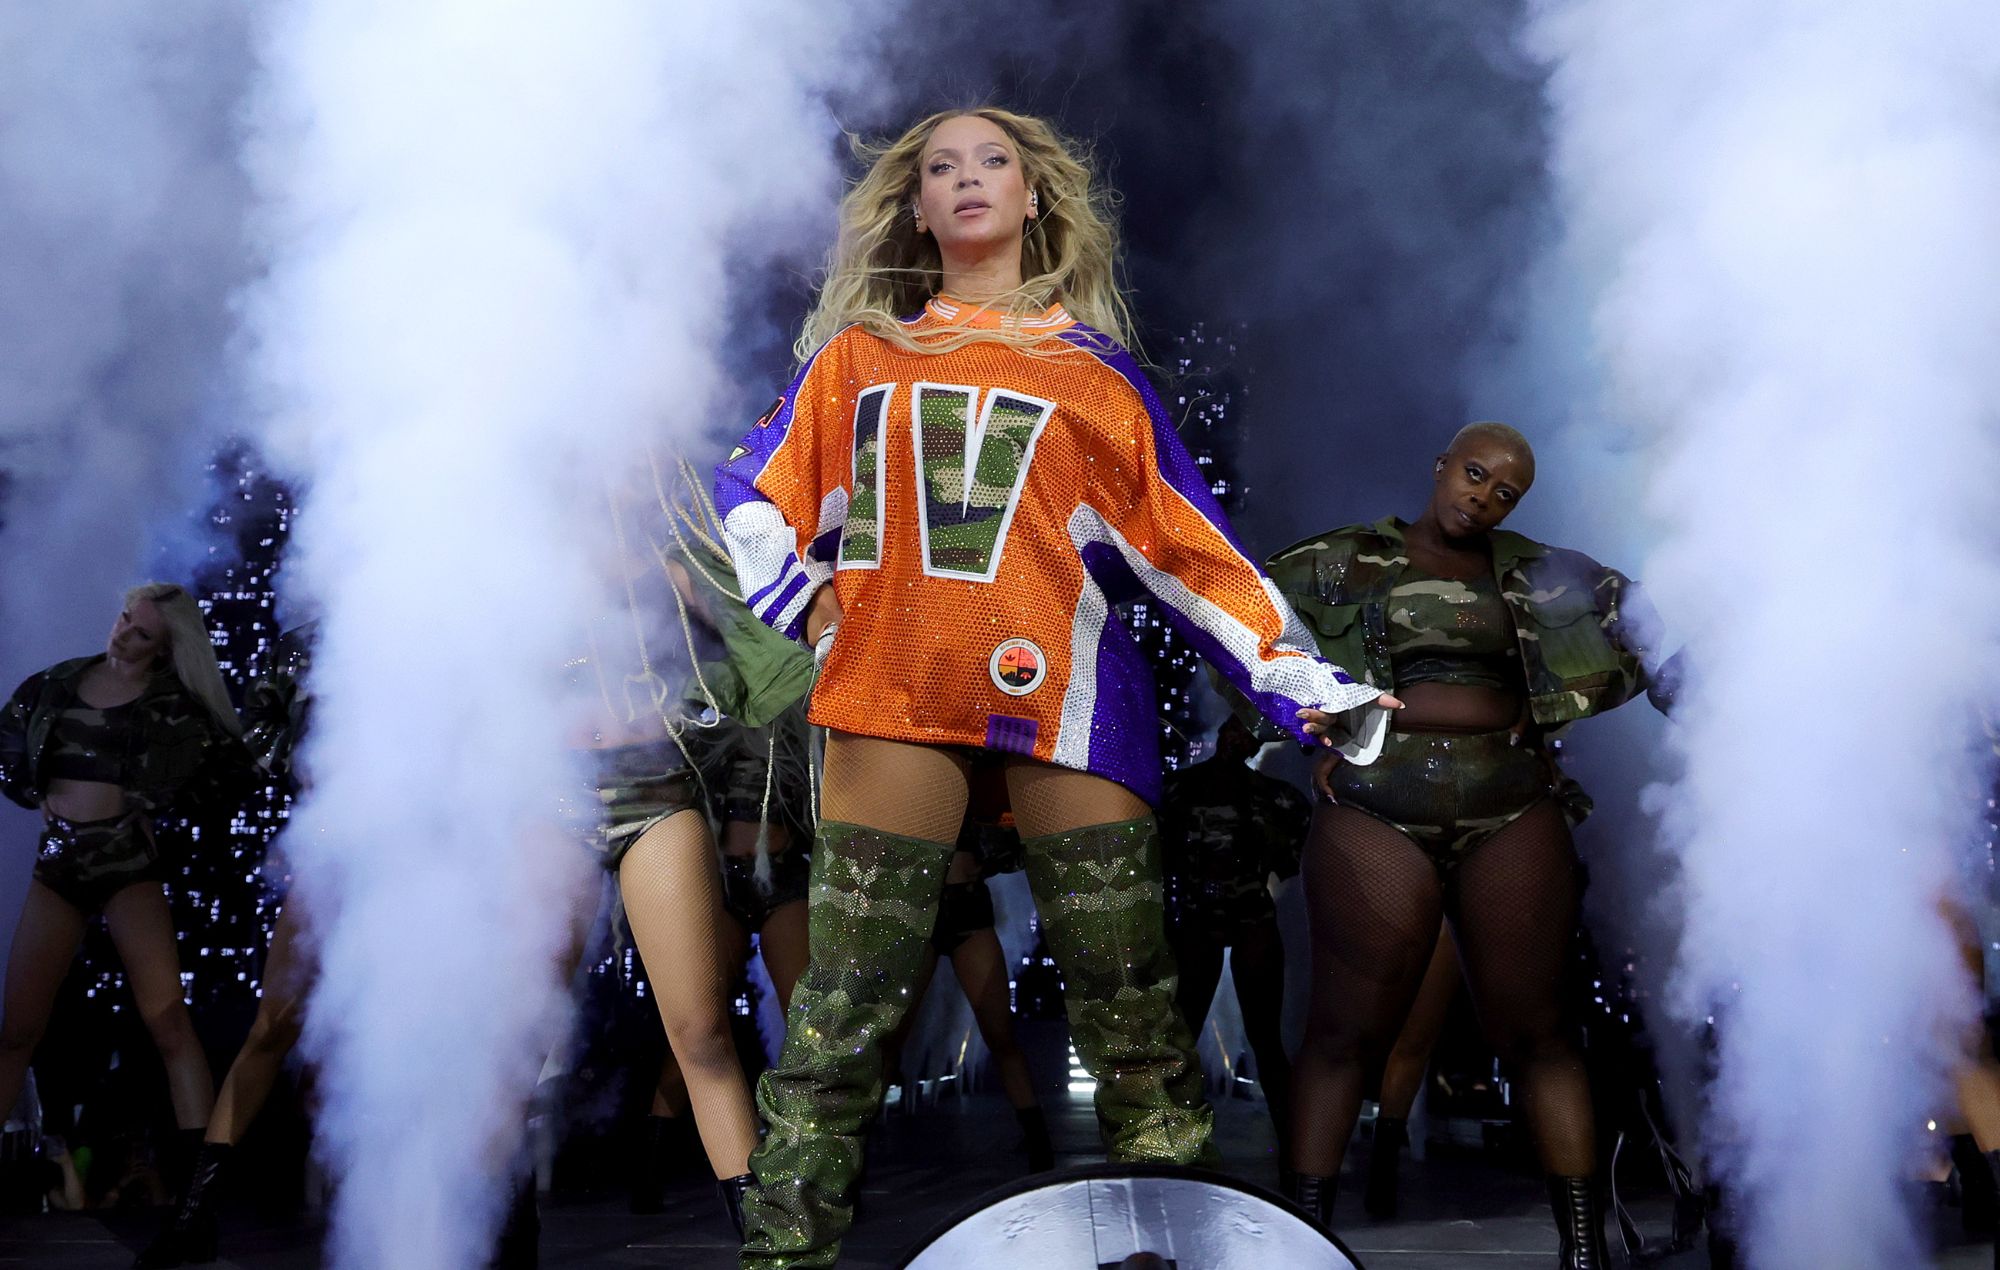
873,902
1099,892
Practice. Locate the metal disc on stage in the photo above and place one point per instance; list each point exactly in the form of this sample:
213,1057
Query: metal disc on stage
1097,1218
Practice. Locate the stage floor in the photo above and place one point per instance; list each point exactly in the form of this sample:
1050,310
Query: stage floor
1458,1211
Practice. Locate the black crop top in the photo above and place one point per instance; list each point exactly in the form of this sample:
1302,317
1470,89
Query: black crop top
87,743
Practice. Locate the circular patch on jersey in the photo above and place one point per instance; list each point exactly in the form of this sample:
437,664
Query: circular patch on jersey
1017,667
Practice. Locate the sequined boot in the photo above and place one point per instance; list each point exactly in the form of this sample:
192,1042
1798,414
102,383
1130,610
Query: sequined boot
1099,892
874,903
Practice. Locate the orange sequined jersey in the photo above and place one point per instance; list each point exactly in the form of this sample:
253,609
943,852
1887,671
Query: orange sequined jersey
979,512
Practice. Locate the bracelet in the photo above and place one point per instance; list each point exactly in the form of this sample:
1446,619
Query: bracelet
823,647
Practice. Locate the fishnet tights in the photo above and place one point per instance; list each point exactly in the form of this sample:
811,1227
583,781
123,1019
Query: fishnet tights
692,950
920,791
1375,901
1403,1077
1976,1078
1257,969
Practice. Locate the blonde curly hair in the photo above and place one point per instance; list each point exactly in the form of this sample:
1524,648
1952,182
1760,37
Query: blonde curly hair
882,269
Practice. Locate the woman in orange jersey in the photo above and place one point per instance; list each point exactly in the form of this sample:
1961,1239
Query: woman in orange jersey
966,474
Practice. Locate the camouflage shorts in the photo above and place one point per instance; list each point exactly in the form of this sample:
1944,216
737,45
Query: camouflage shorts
740,780
737,791
964,909
86,862
1446,792
997,847
751,903
1219,909
638,786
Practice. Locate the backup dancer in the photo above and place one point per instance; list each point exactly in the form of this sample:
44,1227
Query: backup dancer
1403,1074
1226,828
274,713
966,472
735,746
101,746
1492,640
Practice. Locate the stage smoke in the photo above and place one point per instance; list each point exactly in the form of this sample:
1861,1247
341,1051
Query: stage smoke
1781,217
500,239
1380,169
121,213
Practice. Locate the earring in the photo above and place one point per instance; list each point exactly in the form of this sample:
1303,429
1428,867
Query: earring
917,215
1034,203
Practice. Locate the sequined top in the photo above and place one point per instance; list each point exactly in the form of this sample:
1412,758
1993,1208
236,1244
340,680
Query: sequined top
979,512
1453,631
741,748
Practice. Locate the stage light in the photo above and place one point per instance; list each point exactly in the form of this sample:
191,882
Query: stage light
1111,1216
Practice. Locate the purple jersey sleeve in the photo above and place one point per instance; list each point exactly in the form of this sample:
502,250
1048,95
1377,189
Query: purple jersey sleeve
781,517
1278,675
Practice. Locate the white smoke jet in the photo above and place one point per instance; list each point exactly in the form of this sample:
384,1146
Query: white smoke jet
1787,214
500,238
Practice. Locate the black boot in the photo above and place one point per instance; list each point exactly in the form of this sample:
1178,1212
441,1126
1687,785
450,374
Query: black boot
1721,1229
177,1159
190,1235
1978,1199
520,1246
1312,1193
1579,1223
1392,1134
731,1189
652,1141
1993,1180
1035,1139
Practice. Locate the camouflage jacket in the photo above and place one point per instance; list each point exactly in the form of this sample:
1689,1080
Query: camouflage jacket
1224,829
178,752
276,707
1584,629
761,674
